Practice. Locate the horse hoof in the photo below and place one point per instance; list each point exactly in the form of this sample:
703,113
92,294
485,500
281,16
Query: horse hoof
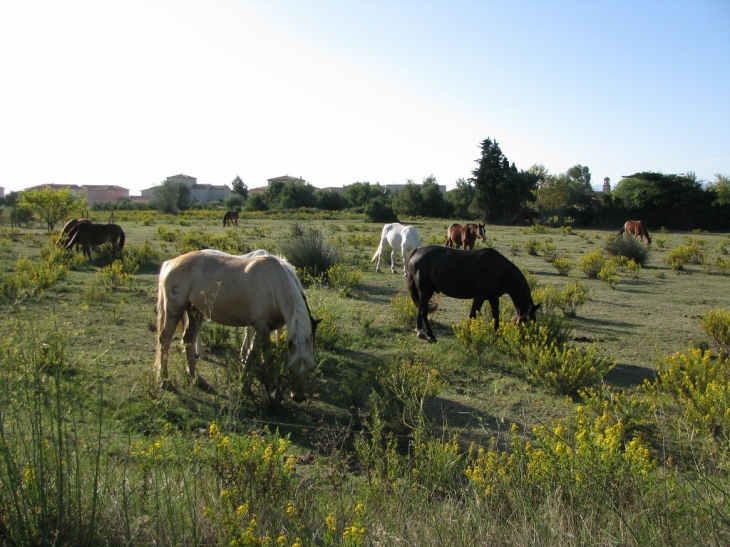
166,385
421,336
432,340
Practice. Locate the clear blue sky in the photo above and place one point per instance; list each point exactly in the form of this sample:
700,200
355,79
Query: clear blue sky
130,92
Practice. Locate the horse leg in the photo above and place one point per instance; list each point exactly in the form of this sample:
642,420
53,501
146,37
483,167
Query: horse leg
392,260
422,318
166,326
190,336
476,305
494,304
87,249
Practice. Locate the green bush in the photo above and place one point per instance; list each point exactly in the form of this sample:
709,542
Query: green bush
311,253
628,247
563,265
592,263
568,300
716,324
608,273
344,279
685,254
404,311
532,246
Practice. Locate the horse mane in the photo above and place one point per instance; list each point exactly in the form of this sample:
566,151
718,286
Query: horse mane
299,325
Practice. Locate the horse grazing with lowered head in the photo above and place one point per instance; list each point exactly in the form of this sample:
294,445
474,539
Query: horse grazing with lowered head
482,275
87,234
635,228
399,237
466,235
230,218
70,225
257,292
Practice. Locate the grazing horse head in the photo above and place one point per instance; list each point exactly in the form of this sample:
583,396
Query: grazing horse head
483,275
67,228
466,235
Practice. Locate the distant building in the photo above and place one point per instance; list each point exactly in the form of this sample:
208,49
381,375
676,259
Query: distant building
606,185
94,193
204,193
285,179
2,192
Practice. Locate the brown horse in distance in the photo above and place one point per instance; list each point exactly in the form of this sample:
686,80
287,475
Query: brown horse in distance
230,218
66,231
87,234
458,235
636,229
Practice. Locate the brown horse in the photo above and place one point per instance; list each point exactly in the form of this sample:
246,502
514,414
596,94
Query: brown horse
230,218
87,234
483,274
464,235
70,225
636,229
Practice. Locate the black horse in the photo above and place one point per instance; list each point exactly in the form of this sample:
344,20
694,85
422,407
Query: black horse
483,274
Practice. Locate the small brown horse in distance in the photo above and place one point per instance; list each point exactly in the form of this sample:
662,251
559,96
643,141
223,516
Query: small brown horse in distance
230,218
636,229
87,234
458,235
70,225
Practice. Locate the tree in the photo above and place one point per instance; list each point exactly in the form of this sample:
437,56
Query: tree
720,187
581,194
329,200
172,196
432,199
239,188
462,199
359,194
408,200
378,211
295,195
49,205
500,188
234,201
552,193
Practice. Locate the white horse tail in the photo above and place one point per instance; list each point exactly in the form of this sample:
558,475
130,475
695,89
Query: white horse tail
380,249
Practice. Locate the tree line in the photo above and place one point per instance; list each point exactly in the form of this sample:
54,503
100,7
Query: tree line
497,193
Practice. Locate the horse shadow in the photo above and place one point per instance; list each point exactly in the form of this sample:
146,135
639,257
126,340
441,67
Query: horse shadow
624,375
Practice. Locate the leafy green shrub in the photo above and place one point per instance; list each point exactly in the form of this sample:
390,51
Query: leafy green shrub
549,251
631,268
164,233
563,265
378,211
609,273
404,311
402,387
722,265
592,263
566,369
476,335
311,253
514,248
30,278
344,279
659,242
685,254
532,246
628,247
568,300
716,324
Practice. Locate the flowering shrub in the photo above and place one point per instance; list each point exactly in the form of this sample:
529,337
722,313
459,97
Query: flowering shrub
344,279
685,254
403,310
563,265
716,323
700,384
608,273
592,263
568,300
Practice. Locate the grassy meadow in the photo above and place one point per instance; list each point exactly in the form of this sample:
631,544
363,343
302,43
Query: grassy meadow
475,440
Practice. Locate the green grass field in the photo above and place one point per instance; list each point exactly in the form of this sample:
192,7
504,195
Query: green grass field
107,343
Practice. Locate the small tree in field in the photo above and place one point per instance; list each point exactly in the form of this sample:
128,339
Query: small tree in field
51,206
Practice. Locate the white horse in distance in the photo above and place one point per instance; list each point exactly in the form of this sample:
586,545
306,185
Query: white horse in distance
399,237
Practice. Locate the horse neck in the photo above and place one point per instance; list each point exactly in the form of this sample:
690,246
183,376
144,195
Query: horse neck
298,323
519,290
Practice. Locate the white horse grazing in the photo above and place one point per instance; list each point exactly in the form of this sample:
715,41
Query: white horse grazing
399,237
257,292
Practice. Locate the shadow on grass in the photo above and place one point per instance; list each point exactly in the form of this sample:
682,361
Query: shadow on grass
625,375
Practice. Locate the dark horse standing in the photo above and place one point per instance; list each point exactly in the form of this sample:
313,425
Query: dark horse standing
87,234
67,228
635,228
230,218
464,235
483,274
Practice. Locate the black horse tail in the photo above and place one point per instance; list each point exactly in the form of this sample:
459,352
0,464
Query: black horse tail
121,239
412,289
621,231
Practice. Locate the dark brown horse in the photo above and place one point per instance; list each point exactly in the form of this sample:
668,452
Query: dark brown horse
87,234
230,218
483,274
70,225
636,229
464,235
